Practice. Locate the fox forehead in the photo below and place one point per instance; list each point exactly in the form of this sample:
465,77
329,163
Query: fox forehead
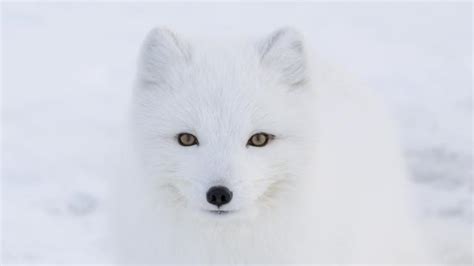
219,75
217,87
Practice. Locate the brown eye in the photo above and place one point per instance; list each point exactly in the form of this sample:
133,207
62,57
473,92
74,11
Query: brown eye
186,139
259,139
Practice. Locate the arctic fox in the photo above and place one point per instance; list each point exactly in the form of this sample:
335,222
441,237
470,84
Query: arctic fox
258,152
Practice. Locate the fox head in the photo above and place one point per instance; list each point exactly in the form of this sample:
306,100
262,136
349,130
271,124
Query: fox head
223,130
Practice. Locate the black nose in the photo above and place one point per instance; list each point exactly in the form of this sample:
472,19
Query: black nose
219,195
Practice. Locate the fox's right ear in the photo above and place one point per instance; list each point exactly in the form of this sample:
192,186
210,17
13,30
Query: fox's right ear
162,53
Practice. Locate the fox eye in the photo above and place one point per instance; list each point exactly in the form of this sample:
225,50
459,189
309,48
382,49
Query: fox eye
186,139
259,139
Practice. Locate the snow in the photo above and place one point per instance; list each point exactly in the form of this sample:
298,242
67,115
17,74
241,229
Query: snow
67,71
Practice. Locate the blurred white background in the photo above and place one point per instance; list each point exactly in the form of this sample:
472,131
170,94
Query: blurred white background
67,71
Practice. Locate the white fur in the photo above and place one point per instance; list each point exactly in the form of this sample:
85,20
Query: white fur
330,188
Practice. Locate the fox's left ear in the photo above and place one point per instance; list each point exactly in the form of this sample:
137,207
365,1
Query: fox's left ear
283,51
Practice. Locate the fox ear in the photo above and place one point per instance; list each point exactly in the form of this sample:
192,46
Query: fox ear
283,51
162,53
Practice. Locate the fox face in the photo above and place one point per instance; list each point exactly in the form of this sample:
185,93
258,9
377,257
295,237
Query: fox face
223,131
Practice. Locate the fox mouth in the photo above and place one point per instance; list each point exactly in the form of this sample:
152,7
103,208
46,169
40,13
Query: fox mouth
220,212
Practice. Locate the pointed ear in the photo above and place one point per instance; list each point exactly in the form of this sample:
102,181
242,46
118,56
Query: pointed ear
283,52
162,53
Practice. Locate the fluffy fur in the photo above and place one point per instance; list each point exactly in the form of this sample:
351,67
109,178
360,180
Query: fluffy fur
330,188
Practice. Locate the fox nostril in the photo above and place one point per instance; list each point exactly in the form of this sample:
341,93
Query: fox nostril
219,195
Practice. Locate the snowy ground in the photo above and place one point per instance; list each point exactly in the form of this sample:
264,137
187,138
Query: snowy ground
67,71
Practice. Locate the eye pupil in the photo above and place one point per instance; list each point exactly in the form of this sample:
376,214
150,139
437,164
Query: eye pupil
186,139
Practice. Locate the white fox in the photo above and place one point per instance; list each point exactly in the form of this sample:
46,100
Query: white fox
258,152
